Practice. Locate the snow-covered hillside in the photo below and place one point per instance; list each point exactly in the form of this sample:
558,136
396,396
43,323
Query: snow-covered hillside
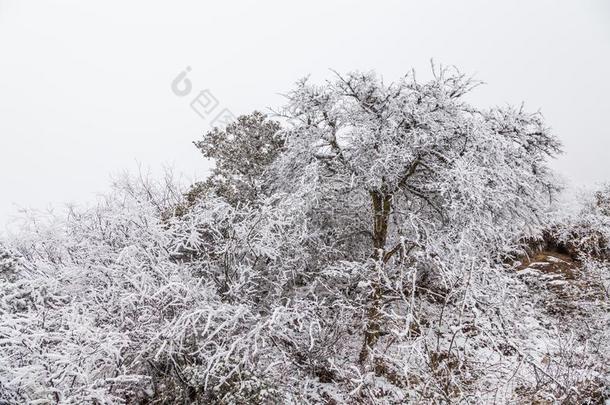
389,244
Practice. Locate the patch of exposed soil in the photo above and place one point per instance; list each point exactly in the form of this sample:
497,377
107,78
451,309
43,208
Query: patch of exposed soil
563,282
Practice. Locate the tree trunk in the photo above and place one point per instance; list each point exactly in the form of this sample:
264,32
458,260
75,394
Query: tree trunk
382,205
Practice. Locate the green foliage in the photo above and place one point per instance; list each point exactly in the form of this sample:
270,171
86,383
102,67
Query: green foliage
242,152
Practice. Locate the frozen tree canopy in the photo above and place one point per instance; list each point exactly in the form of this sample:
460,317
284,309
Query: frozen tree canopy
371,243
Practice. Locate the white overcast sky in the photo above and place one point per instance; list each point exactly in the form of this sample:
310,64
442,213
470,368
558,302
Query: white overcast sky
85,86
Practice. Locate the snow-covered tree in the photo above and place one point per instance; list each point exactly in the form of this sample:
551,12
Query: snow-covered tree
241,152
415,174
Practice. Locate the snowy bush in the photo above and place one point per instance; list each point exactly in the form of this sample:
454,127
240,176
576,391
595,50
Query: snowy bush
586,232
